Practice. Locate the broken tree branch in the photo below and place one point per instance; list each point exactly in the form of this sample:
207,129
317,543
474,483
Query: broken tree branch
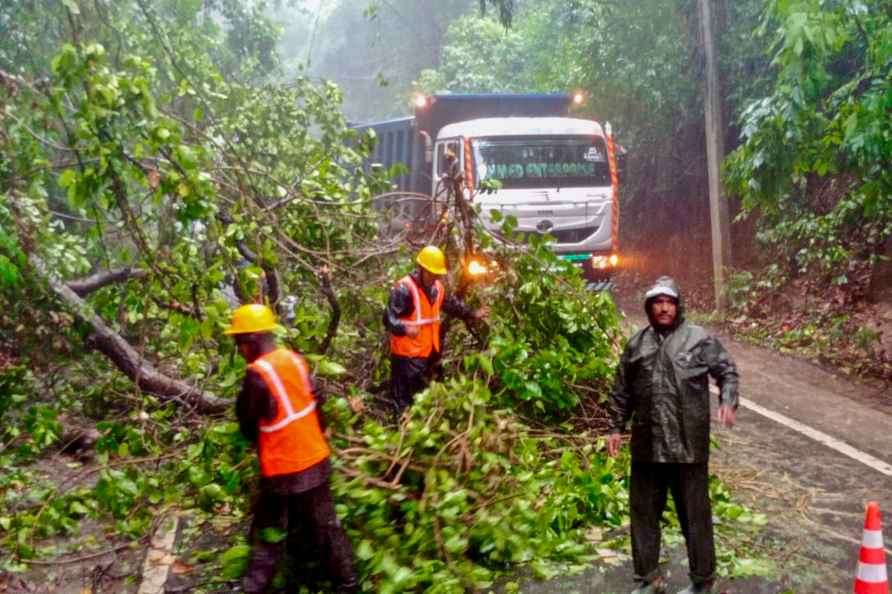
84,286
325,287
176,306
122,354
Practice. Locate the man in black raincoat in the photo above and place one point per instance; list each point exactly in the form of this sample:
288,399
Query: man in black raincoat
663,388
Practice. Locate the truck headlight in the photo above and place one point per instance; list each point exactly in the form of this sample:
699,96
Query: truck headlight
476,268
605,262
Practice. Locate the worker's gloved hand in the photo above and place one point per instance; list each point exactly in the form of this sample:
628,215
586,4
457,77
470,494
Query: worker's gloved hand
614,441
481,313
412,330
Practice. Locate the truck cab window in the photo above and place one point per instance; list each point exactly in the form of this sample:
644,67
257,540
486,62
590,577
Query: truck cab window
443,149
520,162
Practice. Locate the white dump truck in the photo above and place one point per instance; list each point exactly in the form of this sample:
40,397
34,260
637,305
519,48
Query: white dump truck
554,170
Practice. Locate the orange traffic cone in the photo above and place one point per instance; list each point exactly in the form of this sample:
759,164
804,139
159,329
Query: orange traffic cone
871,577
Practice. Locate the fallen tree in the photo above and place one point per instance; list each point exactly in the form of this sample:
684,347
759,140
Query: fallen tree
118,350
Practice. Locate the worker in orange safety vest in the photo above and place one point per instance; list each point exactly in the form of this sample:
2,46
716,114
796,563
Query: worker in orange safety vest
279,411
412,318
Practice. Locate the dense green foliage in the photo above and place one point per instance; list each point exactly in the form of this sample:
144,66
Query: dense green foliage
475,492
554,343
465,489
814,162
128,159
812,172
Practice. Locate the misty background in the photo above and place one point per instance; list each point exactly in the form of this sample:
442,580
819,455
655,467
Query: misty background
376,51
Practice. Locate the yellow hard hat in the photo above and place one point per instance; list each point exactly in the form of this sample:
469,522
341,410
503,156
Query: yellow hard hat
432,259
252,318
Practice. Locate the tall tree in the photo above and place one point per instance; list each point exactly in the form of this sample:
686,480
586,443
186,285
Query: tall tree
814,163
152,163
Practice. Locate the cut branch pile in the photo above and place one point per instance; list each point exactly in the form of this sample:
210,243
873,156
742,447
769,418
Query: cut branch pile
468,490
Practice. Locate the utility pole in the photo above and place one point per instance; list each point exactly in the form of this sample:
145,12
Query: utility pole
715,153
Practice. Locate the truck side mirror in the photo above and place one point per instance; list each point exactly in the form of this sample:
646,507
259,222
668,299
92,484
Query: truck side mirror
428,147
621,166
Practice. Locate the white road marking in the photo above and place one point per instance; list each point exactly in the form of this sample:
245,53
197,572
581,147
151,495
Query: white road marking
842,537
819,436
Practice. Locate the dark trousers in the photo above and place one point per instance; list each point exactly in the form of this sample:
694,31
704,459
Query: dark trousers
408,376
312,511
689,485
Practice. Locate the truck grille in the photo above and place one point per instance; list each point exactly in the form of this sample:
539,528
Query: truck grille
565,235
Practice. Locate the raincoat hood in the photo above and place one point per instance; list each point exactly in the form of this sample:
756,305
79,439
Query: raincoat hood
665,285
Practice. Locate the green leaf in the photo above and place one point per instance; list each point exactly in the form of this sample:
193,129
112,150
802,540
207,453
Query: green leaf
364,551
456,544
67,178
273,535
187,157
534,389
128,486
198,476
212,492
234,561
329,368
486,364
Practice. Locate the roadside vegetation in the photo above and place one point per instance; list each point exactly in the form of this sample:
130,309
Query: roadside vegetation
813,165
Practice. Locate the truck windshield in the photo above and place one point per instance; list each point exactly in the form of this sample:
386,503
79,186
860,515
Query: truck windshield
542,162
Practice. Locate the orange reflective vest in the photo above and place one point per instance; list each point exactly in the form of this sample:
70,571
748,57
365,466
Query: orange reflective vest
426,316
293,440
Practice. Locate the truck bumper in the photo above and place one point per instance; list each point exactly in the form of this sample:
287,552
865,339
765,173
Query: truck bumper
599,278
